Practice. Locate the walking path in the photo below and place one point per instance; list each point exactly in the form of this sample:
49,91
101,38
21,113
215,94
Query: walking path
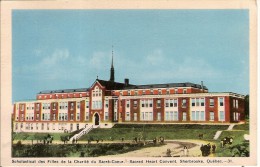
218,133
175,146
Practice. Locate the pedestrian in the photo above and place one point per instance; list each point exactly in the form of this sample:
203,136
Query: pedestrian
222,143
202,149
185,151
213,148
168,153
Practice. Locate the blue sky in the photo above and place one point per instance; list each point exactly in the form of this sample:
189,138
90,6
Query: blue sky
62,49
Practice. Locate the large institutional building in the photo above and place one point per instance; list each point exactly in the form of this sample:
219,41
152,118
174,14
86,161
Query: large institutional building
106,103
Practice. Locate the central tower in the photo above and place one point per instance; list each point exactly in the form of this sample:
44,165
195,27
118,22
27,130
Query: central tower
112,70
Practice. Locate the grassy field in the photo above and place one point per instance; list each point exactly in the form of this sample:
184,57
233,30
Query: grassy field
129,132
149,132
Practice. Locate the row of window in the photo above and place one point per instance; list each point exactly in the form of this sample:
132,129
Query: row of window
62,96
97,92
174,116
174,103
152,92
49,126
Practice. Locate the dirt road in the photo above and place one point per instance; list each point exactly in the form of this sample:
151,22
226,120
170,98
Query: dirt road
176,149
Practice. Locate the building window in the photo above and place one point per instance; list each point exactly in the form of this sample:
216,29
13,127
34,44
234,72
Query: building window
171,116
184,91
197,102
71,116
96,92
235,103
221,101
193,102
184,102
176,91
167,91
158,104
54,106
171,102
106,103
151,91
198,115
211,116
202,102
127,103
146,116
159,91
147,103
87,116
128,93
37,107
66,116
135,103
184,116
159,116
211,102
221,116
136,93
175,103
22,107
135,116
78,105
106,116
167,102
78,116
71,106
97,104
143,92
87,104
127,116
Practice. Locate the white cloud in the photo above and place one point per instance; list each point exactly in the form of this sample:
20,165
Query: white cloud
99,59
155,57
57,56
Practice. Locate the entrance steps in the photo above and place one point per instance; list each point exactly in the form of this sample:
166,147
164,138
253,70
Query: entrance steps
82,132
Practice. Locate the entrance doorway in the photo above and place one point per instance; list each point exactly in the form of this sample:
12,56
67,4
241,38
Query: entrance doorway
96,119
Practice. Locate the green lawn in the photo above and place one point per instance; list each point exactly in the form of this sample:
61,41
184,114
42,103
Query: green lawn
37,136
169,132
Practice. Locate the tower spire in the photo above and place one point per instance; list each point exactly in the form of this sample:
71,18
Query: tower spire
112,70
112,64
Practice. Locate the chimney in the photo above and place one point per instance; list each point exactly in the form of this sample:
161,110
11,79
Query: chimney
202,86
126,81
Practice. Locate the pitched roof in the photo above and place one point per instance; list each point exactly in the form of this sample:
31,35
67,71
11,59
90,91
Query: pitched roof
112,85
64,91
167,85
121,86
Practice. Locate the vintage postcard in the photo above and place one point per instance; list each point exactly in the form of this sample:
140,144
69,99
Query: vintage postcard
133,83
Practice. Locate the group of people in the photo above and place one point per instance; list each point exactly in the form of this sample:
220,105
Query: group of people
226,140
160,140
206,149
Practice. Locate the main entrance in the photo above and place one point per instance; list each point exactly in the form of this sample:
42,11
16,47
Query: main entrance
96,116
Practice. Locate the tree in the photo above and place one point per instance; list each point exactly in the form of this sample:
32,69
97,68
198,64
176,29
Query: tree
247,106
